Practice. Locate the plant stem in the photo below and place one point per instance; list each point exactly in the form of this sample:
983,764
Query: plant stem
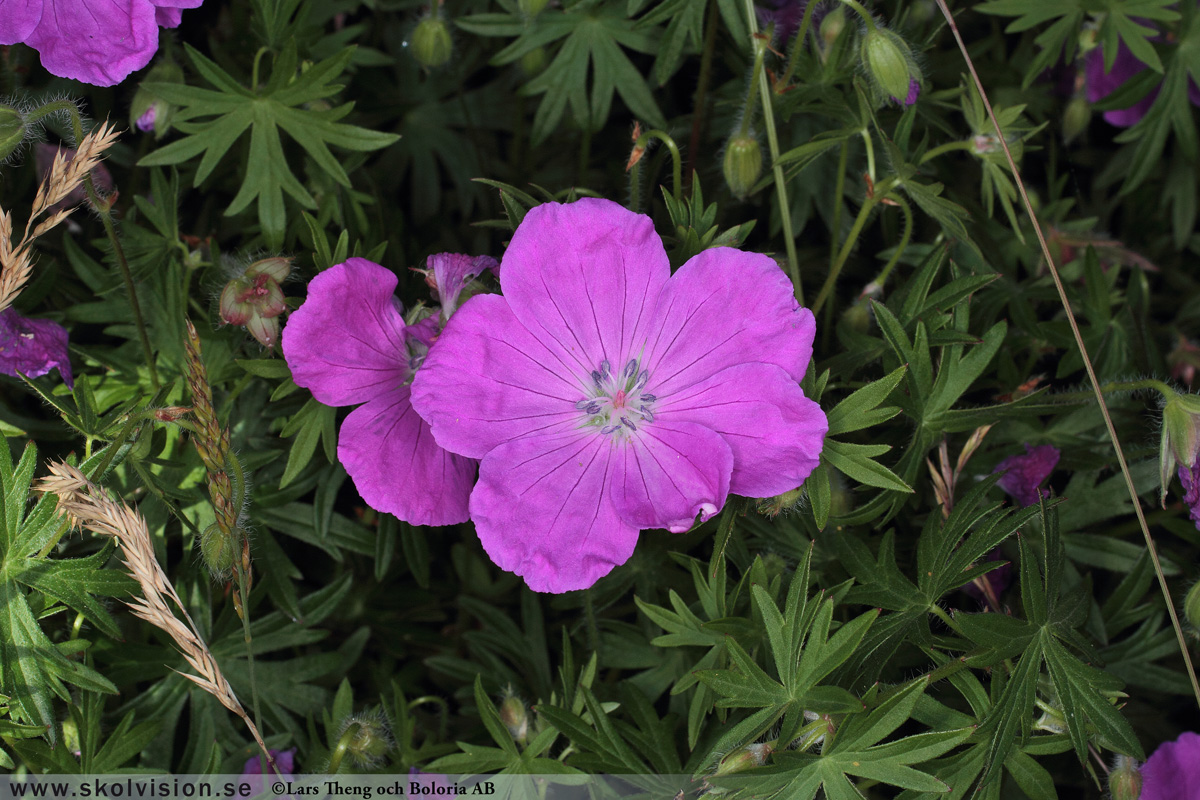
699,100
785,211
860,222
944,148
797,47
1087,362
635,183
862,12
904,239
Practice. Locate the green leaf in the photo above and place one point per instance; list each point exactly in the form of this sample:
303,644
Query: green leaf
855,462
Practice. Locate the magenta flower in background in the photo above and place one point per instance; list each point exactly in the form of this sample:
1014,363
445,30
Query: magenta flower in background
94,41
1025,473
285,762
348,343
33,347
1101,83
605,395
1173,770
1189,476
447,274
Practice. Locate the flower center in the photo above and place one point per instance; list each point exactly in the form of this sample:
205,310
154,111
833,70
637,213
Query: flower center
616,401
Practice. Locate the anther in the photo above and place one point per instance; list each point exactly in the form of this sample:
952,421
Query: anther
625,421
630,369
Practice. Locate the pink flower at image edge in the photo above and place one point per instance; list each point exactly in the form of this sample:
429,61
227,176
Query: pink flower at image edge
605,395
348,344
100,46
1173,770
1101,83
33,347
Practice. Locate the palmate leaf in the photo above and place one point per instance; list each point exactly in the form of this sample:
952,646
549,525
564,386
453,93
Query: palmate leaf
595,36
215,119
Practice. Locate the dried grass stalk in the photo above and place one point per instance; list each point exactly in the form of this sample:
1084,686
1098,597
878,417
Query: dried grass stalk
87,505
65,176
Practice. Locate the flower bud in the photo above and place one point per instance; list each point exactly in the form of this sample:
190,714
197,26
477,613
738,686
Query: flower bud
533,62
367,739
1076,117
1180,435
890,64
1125,781
774,506
146,111
743,164
531,8
254,299
217,550
12,130
857,317
431,44
744,758
515,717
832,26
1191,606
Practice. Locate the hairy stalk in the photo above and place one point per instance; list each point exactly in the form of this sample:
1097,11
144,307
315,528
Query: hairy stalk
1087,362
635,167
860,222
900,248
797,48
700,98
839,194
785,210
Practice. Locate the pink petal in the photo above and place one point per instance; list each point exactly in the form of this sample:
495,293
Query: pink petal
33,347
775,432
397,466
585,278
726,307
542,509
1173,770
169,13
490,380
346,342
20,17
95,41
668,472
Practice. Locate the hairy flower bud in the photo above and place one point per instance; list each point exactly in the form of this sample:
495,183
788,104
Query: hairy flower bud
431,44
889,62
1125,781
146,111
515,717
743,164
254,299
533,62
217,550
1076,117
1191,606
12,130
832,26
744,758
1180,435
367,739
531,8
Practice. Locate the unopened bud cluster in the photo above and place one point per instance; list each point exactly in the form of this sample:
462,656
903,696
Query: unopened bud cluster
431,43
255,300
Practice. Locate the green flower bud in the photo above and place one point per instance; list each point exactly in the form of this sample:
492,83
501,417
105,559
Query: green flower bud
531,8
743,164
12,130
1125,782
1076,117
832,26
515,718
744,758
774,506
217,550
1180,436
431,44
367,739
889,61
533,62
857,317
1191,606
147,112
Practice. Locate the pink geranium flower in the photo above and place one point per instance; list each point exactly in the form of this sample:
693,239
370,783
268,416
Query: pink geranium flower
1173,771
605,395
33,347
94,41
1101,83
348,343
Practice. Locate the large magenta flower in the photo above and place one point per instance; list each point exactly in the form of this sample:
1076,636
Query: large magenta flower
348,343
605,395
1173,770
33,347
94,41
